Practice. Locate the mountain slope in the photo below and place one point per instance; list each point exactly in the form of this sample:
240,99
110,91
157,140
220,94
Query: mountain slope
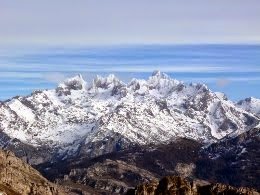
16,177
118,171
108,115
233,160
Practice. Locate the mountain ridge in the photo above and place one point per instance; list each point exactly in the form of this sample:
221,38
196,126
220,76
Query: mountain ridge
80,117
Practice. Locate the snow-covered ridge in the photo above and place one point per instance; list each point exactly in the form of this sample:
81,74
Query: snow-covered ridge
144,111
250,104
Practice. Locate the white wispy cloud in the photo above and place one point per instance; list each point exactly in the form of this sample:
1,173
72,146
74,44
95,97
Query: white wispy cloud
18,74
214,79
180,69
41,68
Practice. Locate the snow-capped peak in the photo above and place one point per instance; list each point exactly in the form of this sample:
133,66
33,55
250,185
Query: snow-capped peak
75,83
106,82
162,82
159,74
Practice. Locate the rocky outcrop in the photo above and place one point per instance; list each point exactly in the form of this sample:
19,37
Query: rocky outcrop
16,177
174,185
113,176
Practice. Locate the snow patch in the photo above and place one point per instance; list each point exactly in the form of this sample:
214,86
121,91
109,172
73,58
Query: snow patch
21,110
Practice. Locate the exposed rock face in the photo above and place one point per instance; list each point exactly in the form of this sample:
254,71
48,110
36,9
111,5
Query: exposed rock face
16,177
235,161
173,185
112,176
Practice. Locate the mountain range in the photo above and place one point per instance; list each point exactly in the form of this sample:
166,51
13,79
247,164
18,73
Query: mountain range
111,136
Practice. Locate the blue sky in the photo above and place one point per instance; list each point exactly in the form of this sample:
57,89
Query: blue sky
214,42
232,69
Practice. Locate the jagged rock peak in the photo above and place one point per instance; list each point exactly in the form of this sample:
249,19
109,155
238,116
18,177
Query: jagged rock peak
106,82
162,82
156,80
77,83
249,99
159,74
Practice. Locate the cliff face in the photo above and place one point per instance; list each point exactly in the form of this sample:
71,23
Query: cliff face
16,177
173,185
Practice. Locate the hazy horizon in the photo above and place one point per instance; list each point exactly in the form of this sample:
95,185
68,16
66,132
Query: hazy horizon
128,22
